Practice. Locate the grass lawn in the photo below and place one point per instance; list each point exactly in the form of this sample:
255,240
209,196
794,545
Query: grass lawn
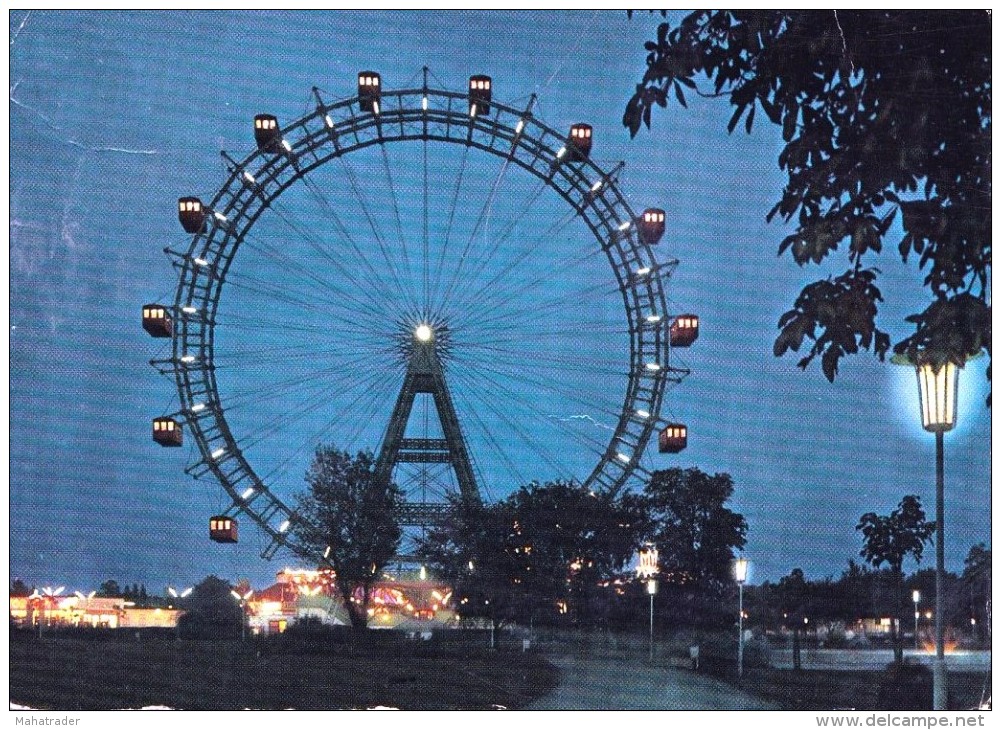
67,673
834,690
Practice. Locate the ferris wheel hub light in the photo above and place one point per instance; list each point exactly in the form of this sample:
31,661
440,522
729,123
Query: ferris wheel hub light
423,333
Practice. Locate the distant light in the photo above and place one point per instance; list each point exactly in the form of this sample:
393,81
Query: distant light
247,493
220,216
201,262
597,186
286,145
472,110
653,318
197,407
625,225
642,414
623,457
284,526
643,272
653,366
326,553
521,126
375,107
424,103
249,178
424,573
329,122
471,565
423,333
188,358
562,151
189,310
218,452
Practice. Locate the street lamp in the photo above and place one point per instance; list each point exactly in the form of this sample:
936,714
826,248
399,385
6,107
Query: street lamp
740,573
938,383
242,599
648,569
917,614
182,594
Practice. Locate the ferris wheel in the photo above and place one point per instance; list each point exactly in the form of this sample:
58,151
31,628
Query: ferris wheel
431,275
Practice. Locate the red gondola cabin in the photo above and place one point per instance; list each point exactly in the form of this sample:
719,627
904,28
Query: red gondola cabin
267,133
167,432
192,214
479,95
222,528
684,330
369,91
156,321
579,142
651,226
673,438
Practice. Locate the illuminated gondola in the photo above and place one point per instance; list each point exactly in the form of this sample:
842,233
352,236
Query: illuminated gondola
267,133
192,214
684,330
168,432
673,438
369,91
579,142
156,321
479,95
651,226
222,528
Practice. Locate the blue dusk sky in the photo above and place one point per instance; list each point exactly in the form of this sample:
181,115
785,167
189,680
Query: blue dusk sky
114,116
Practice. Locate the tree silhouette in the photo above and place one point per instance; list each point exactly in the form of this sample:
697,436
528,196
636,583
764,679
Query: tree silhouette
891,539
350,517
881,113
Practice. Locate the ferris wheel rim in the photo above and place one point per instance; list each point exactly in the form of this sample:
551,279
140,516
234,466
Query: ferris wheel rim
588,190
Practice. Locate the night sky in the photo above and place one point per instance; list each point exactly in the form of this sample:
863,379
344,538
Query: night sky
114,116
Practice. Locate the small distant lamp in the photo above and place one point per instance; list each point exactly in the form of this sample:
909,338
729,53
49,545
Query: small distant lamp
647,569
917,597
740,573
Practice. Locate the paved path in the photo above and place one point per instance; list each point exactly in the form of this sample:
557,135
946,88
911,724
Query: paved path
590,681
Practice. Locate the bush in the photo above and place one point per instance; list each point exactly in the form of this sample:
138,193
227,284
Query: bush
905,687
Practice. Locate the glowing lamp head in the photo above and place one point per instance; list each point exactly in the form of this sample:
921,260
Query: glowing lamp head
651,586
740,569
938,383
423,333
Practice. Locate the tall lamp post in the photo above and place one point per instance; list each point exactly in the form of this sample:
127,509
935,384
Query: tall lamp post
740,573
917,597
648,569
938,385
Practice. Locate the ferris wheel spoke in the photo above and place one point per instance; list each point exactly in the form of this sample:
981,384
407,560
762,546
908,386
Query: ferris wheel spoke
396,207
544,385
329,308
553,421
425,253
495,291
317,437
318,246
484,212
550,362
486,433
376,281
283,421
493,385
534,246
433,306
359,196
486,300
349,373
372,305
